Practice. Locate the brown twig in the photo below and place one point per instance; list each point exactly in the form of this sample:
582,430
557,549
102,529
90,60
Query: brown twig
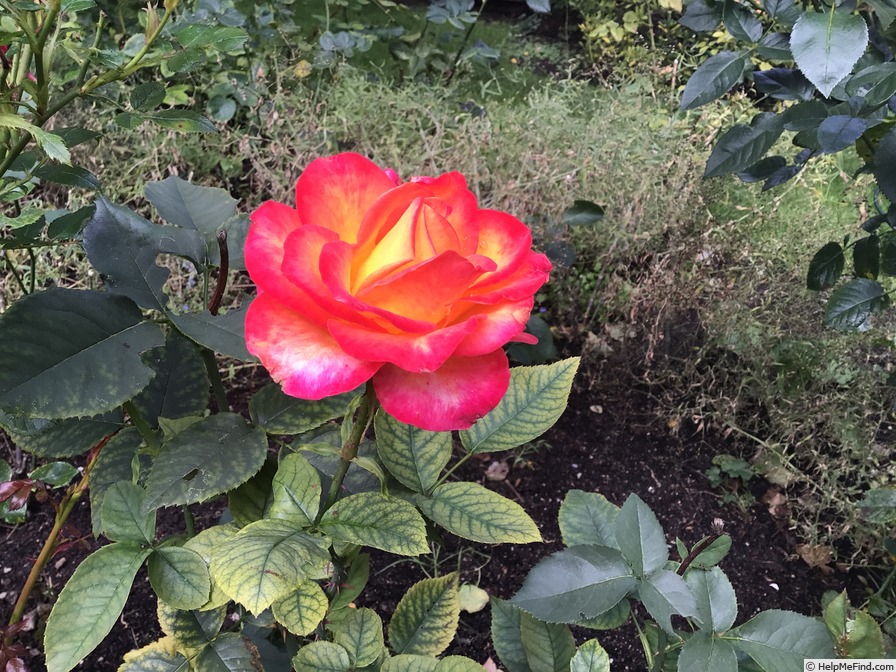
223,269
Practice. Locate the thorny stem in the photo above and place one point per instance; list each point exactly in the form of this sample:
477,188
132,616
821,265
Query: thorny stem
697,550
66,506
214,376
463,43
223,269
151,440
350,449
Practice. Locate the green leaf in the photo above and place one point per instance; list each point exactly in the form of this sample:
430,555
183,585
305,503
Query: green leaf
839,131
370,519
229,652
180,577
265,561
123,247
211,456
204,544
52,144
180,386
302,610
587,518
715,598
221,38
780,640
535,400
805,116
826,267
425,619
879,505
184,121
665,594
413,456
850,305
296,491
70,224
549,647
206,210
27,217
866,257
576,583
59,438
66,353
147,96
54,474
775,47
701,16
279,413
410,663
474,512
114,464
884,165
640,537
827,46
90,603
609,620
715,77
123,518
506,638
192,631
251,500
741,22
70,176
360,633
741,146
582,213
158,656
856,634
222,333
705,653
590,657
322,657
712,554
358,573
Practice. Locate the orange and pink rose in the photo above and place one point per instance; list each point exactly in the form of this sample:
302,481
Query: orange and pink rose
412,286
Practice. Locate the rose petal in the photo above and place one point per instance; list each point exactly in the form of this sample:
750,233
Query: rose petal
498,325
426,291
506,240
395,249
299,355
450,197
462,391
419,353
335,192
301,266
520,285
270,226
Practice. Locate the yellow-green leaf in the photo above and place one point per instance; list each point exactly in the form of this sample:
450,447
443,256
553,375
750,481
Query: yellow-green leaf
190,630
296,491
322,657
370,519
534,401
90,603
264,562
425,619
474,512
158,656
413,456
303,609
360,633
180,577
204,543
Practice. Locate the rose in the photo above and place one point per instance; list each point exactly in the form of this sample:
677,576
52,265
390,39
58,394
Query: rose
412,286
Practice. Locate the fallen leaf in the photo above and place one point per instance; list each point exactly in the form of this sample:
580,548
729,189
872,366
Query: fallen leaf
472,598
497,471
777,503
816,555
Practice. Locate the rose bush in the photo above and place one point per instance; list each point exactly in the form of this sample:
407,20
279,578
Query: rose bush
410,285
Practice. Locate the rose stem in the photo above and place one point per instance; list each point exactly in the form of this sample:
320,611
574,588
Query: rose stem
67,505
208,357
350,448
697,550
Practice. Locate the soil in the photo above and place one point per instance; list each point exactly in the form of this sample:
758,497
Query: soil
613,439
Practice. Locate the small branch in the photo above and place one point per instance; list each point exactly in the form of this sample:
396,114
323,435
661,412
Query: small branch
214,376
223,269
697,550
67,505
350,449
149,437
